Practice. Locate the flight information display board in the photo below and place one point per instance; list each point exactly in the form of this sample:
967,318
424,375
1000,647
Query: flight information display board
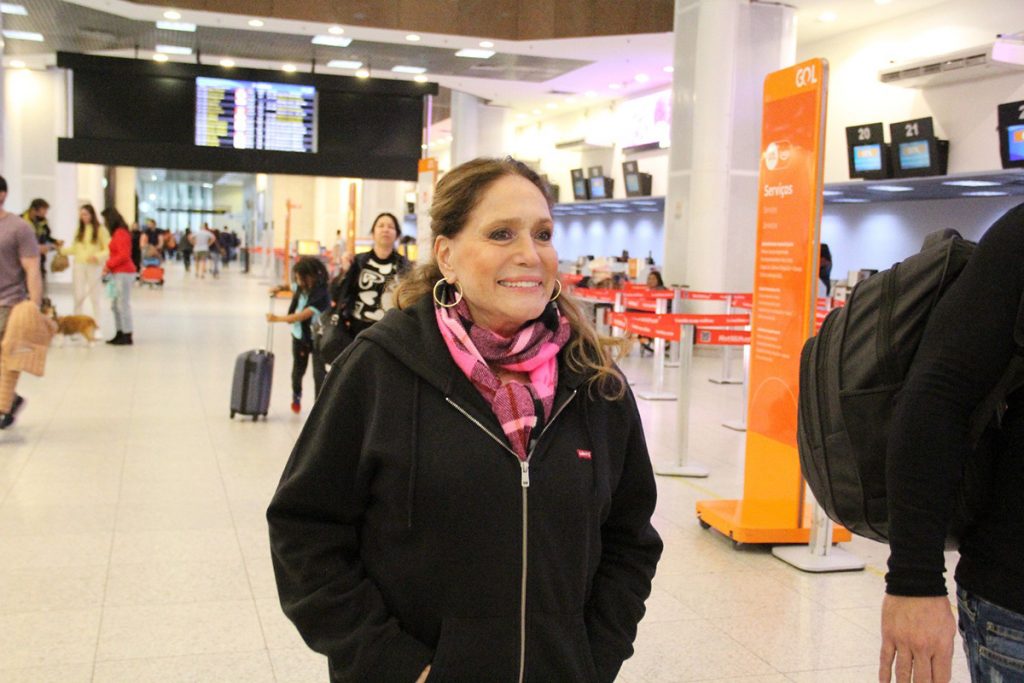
255,115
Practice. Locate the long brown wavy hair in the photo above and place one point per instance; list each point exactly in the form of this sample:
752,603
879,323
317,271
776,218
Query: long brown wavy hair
93,221
455,197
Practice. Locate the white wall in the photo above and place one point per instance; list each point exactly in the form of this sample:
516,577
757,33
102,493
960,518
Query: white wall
963,113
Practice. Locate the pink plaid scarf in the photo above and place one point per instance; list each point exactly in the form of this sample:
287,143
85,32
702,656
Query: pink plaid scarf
533,350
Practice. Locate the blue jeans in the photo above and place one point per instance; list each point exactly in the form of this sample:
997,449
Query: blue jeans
993,640
122,303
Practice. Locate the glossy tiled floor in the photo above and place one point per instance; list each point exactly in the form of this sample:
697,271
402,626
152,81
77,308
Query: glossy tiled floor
133,544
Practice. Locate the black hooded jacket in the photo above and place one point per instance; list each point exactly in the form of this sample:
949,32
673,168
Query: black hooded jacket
405,532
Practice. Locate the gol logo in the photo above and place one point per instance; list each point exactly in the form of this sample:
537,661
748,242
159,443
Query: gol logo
805,76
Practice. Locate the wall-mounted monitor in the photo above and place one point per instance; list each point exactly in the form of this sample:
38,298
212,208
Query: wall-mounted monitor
595,171
637,184
1011,134
867,152
255,115
308,247
580,186
915,149
600,187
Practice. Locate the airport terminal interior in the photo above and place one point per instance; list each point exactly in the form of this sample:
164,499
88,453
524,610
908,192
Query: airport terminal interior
133,535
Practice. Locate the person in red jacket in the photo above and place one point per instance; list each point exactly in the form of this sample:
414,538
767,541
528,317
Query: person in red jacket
121,269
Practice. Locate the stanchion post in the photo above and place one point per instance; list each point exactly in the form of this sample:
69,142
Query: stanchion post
818,555
741,424
677,307
726,377
681,467
657,391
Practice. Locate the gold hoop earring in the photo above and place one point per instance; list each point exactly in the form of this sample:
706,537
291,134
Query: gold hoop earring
558,282
458,294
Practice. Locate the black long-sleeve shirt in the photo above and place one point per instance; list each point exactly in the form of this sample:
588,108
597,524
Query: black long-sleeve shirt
965,351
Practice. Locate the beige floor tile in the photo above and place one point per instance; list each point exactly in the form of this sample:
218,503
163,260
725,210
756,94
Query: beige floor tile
150,584
247,667
147,631
298,665
174,516
84,491
50,673
54,550
692,650
43,639
18,519
176,545
735,593
47,589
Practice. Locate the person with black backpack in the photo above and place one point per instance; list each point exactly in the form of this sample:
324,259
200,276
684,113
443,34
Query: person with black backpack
971,346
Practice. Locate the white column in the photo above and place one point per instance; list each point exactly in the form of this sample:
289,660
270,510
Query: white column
723,51
465,127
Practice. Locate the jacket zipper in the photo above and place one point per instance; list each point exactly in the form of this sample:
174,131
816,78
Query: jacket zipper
524,482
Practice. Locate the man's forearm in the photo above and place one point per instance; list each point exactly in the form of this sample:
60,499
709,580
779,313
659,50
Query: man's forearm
34,280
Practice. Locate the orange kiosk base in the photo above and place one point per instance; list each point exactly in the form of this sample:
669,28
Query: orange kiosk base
727,517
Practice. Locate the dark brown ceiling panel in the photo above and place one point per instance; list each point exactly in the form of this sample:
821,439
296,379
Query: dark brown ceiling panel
372,13
438,16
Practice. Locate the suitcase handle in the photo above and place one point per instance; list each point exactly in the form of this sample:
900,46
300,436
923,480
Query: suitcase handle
270,328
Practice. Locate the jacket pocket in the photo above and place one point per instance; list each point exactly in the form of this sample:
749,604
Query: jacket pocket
472,649
558,649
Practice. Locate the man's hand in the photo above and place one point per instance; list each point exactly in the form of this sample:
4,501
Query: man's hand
918,633
423,676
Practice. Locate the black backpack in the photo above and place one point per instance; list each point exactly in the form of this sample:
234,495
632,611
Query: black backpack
850,377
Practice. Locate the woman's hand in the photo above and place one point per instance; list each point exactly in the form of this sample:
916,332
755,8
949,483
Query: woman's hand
271,318
423,676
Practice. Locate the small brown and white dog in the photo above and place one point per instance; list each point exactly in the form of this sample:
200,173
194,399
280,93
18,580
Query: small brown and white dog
71,325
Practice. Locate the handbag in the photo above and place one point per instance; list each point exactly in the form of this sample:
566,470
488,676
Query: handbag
331,335
59,263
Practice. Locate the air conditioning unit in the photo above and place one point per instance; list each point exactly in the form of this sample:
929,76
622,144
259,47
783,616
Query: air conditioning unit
986,61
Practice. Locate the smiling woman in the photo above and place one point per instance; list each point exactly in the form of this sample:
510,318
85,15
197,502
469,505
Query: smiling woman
465,438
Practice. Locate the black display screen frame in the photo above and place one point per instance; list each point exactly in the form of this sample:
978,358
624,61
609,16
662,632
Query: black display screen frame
1010,114
129,112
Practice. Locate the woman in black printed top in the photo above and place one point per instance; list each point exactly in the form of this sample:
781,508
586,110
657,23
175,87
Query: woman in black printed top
365,293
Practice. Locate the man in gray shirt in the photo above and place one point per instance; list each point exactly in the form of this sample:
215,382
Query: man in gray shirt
20,279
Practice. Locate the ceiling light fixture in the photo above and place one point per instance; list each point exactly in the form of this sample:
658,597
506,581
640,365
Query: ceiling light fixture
363,73
828,17
591,93
641,78
24,35
403,69
486,44
420,79
413,38
831,193
174,50
849,200
332,41
288,68
227,63
615,86
971,183
882,2
344,64
537,112
172,15
985,193
158,57
336,30
473,53
255,23
10,8
890,188
552,105
176,26
668,69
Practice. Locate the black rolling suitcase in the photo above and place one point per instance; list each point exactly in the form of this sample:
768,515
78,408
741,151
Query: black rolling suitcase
254,375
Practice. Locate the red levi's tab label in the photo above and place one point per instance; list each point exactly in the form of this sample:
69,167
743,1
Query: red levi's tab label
582,454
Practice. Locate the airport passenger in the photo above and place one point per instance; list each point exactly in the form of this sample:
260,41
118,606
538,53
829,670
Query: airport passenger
20,279
966,349
471,497
120,270
89,251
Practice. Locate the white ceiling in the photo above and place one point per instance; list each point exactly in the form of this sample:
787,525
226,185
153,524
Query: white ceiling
615,61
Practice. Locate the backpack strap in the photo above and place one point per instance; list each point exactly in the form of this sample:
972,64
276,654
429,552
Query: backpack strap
994,404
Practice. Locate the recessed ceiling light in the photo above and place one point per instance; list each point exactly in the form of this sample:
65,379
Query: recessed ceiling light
615,86
668,69
591,93
570,100
363,73
882,2
208,186
174,49
332,41
17,64
641,78
227,63
172,15
890,188
849,200
486,44
827,17
971,183
412,38
402,69
290,68
552,105
153,178
336,30
520,115
176,26
343,64
10,8
420,79
537,112
473,53
24,35
159,57
985,193
255,23
831,193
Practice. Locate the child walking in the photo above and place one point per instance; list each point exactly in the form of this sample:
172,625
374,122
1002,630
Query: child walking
309,298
